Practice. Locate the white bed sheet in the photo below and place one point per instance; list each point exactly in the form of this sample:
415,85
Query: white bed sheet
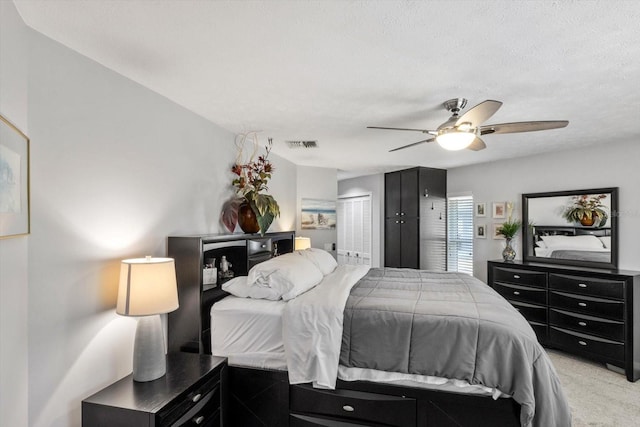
249,333
546,252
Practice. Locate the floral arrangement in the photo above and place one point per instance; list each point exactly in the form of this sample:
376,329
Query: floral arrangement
250,183
509,228
587,209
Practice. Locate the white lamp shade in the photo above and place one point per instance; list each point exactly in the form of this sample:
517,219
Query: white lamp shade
302,243
147,286
455,139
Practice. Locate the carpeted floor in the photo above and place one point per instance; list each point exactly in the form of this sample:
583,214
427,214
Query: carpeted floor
598,397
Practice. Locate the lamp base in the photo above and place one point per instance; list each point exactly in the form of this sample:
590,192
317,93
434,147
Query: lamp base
149,361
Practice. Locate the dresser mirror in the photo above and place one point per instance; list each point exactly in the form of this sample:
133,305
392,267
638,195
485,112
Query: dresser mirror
577,227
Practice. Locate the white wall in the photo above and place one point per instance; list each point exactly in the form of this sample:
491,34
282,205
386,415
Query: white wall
609,165
373,184
317,183
13,252
115,168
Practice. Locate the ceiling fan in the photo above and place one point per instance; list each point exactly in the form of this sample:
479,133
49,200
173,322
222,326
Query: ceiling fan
464,131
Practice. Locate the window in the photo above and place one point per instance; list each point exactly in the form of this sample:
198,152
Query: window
460,234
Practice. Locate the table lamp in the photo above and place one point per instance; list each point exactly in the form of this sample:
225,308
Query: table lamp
302,243
147,289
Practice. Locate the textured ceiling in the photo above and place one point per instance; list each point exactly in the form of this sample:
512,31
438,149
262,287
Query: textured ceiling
324,70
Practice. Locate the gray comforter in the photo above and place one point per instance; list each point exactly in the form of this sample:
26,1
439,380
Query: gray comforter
451,325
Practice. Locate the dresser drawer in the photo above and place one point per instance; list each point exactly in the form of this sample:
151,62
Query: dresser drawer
519,277
587,286
522,293
610,329
583,343
298,420
354,405
199,404
541,331
588,305
531,312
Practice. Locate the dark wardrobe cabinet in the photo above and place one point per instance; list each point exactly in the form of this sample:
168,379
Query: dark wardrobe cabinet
415,232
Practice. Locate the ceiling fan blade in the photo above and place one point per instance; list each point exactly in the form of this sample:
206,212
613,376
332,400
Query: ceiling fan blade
477,145
411,145
480,113
432,132
522,127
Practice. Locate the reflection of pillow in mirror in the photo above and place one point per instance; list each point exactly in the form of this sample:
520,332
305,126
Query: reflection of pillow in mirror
606,241
541,244
572,242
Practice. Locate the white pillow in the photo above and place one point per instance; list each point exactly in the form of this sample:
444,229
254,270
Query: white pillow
239,286
325,262
572,242
289,275
541,244
606,241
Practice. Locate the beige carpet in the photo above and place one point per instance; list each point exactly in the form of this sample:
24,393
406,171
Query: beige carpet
597,396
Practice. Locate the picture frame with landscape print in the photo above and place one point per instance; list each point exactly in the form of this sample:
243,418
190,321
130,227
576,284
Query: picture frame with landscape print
318,214
14,181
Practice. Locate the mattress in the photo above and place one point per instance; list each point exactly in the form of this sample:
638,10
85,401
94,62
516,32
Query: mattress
249,333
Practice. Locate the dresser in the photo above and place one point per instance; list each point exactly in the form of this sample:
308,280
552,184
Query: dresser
190,394
592,313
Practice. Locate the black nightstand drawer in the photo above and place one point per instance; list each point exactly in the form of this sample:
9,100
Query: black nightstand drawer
611,329
587,286
298,420
531,312
520,277
522,293
588,305
354,405
583,343
199,404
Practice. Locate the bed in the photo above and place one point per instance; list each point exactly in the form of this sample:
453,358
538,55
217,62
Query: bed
366,337
573,243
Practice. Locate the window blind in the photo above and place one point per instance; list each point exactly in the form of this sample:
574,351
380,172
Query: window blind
460,234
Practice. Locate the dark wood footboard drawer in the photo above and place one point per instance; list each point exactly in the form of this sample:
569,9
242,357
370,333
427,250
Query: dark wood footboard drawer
354,406
531,312
522,293
587,286
298,420
588,305
583,343
520,277
611,329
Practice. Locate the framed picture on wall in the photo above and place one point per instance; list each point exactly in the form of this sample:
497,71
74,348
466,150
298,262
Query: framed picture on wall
14,181
499,210
481,231
481,209
318,214
496,227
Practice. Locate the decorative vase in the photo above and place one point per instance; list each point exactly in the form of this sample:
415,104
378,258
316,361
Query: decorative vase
508,254
586,221
247,219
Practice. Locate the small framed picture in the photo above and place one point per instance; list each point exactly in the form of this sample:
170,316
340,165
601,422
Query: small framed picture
496,227
499,210
481,231
481,209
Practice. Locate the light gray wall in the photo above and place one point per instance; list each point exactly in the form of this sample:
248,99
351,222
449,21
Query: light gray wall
614,164
13,252
317,183
373,184
116,168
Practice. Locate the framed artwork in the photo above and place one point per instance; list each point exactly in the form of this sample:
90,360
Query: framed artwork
496,227
14,181
481,209
318,214
481,231
499,210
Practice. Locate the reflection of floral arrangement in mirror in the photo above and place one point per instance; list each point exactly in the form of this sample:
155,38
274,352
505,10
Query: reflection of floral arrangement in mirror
587,209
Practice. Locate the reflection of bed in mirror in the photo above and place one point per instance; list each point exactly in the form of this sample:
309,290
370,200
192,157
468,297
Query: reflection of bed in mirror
573,243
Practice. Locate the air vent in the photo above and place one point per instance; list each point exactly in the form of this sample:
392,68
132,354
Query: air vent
302,144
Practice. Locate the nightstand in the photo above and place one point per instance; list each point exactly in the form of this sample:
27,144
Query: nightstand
190,394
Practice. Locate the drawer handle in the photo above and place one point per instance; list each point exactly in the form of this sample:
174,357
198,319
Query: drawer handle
582,285
515,276
196,398
582,343
582,323
397,222
401,222
263,246
198,420
401,213
348,408
582,304
516,293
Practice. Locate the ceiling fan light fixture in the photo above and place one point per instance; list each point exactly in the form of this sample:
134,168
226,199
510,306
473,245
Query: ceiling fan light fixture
455,139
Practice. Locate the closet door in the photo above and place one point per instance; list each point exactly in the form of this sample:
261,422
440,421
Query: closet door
354,230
